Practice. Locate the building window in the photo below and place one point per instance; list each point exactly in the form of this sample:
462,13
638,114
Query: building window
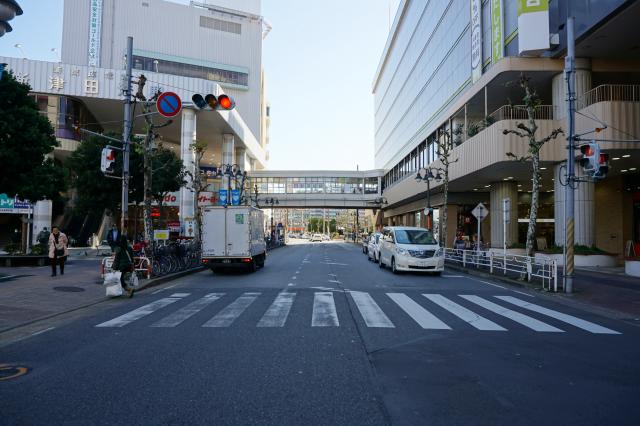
220,25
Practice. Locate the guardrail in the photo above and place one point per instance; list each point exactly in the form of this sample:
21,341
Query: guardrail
609,93
543,269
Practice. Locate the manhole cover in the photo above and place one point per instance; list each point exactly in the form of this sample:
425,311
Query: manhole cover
8,372
69,289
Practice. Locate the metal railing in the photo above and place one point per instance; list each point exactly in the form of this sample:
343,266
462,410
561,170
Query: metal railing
609,93
519,112
543,269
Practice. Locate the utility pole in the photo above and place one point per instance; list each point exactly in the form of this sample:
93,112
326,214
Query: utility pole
124,213
570,76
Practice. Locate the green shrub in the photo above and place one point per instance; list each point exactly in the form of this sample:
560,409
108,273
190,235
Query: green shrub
12,248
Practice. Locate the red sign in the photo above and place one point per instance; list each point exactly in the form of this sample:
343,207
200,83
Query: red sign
168,104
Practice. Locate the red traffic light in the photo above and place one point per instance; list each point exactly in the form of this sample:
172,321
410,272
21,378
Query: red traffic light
586,150
222,102
604,158
110,155
225,102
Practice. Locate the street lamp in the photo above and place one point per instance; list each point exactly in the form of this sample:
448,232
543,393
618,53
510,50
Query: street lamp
232,171
427,177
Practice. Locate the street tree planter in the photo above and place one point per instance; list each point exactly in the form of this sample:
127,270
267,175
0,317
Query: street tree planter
584,260
632,266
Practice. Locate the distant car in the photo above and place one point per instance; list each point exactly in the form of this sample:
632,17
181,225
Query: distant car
316,237
373,248
405,248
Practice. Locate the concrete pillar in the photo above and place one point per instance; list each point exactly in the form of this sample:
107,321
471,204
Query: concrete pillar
228,149
187,137
41,218
584,197
559,87
241,159
500,191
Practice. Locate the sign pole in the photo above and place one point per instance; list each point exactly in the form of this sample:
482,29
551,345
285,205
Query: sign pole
124,213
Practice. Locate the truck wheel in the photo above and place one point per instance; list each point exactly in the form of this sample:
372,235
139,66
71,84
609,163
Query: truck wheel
253,266
261,261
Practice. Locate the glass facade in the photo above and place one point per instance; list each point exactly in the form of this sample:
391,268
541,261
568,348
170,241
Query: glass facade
73,115
315,185
190,70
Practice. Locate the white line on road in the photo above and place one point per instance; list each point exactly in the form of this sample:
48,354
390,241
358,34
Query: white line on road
419,314
453,276
278,312
163,289
180,294
42,331
371,313
336,263
463,313
334,281
228,315
503,288
188,311
523,319
324,311
141,312
580,323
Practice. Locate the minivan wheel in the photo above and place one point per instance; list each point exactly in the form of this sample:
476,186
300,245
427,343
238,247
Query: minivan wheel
393,266
380,264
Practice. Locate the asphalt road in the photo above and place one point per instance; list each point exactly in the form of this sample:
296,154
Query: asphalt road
323,336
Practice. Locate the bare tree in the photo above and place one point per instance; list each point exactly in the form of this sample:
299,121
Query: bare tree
197,184
444,149
528,132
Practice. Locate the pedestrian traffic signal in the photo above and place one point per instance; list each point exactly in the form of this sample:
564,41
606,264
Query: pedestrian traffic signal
590,160
603,166
222,102
108,160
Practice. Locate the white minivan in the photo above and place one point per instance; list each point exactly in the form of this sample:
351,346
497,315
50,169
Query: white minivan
407,248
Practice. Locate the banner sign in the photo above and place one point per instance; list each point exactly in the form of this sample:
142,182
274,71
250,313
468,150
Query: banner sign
476,40
497,36
160,234
533,26
14,206
235,197
95,30
206,198
222,196
174,226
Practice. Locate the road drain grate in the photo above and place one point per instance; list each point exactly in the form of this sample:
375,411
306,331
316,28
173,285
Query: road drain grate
69,289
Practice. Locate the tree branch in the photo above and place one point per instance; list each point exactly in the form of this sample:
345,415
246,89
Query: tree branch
515,132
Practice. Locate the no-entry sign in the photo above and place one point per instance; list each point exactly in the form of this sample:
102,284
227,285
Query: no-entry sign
168,104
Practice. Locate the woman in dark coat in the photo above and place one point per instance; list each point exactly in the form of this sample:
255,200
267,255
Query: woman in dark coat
123,262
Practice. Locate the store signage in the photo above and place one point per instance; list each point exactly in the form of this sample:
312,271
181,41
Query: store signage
160,234
235,197
223,197
533,26
497,36
174,226
206,198
95,29
476,40
14,206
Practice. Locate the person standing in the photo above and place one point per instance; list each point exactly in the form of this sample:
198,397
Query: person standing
113,237
58,250
123,262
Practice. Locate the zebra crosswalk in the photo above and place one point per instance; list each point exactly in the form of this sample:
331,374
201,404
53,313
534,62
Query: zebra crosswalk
428,311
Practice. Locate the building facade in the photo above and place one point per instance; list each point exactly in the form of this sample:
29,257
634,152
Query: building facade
450,69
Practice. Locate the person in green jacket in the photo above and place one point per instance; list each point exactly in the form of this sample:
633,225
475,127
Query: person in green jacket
123,262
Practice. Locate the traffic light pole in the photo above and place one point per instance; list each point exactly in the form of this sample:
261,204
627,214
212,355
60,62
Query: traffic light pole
124,213
569,188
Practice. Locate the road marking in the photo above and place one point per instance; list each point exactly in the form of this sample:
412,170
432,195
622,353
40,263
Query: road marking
294,278
419,314
453,276
370,311
291,284
336,263
180,294
464,314
42,331
324,310
228,315
188,311
334,281
163,289
525,320
569,319
141,312
278,312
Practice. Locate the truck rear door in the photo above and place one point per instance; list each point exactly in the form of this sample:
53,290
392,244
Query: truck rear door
213,225
238,232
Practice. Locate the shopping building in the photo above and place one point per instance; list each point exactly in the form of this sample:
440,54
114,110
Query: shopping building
453,66
213,46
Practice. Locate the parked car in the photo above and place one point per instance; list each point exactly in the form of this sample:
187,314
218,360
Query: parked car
373,248
316,237
405,248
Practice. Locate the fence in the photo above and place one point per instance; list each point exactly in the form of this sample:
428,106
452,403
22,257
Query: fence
609,93
543,269
519,112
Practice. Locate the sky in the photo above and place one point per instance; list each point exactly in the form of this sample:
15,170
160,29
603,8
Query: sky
319,59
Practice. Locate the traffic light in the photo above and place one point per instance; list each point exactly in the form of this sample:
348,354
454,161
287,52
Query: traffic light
590,160
222,102
108,160
603,166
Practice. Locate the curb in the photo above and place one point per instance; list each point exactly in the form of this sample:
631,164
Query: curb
147,284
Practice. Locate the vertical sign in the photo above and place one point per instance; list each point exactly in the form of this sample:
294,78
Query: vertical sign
497,36
476,40
95,29
222,196
533,26
235,197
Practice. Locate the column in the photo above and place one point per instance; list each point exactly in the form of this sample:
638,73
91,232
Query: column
187,137
584,210
228,151
241,159
559,87
41,218
500,191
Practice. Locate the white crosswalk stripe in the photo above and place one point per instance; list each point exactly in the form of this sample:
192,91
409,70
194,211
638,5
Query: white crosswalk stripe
278,312
136,314
371,313
188,311
525,320
463,313
419,314
228,315
324,310
569,319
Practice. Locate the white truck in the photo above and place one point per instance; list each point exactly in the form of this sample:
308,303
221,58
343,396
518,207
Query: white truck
233,237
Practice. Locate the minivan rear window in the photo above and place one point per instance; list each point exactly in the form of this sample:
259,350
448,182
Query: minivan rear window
414,236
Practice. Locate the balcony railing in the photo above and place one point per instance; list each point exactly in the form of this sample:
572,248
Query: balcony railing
609,93
519,112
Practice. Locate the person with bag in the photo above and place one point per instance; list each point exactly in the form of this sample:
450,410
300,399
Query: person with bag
58,251
123,262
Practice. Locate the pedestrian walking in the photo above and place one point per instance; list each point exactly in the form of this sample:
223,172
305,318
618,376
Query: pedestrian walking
113,237
123,262
58,250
